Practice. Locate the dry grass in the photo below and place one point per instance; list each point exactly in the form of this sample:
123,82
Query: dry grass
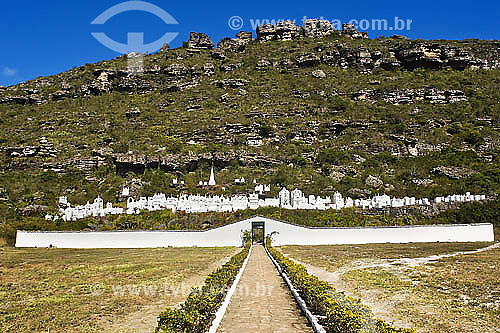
332,257
455,294
55,288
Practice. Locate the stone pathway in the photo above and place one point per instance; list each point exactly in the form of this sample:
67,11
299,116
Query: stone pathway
262,301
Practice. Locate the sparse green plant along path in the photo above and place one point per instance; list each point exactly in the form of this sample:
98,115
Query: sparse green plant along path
262,301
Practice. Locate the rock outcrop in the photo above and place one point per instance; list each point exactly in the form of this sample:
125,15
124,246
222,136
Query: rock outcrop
263,64
453,172
231,83
87,164
135,188
230,67
44,149
373,181
103,82
237,44
288,30
208,69
34,210
437,56
314,28
307,60
266,33
409,96
137,162
28,96
177,71
21,100
319,74
133,113
349,29
359,193
395,53
199,41
59,95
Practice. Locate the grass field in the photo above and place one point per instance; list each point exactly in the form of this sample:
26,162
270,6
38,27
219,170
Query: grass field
454,294
95,290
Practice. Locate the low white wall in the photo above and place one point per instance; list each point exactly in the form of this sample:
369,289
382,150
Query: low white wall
292,235
230,235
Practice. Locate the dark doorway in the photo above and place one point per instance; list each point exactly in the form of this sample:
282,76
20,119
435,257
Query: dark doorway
258,233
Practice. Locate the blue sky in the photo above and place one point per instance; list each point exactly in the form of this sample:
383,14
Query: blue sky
47,37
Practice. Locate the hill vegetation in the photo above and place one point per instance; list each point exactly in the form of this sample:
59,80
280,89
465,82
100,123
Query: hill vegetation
323,114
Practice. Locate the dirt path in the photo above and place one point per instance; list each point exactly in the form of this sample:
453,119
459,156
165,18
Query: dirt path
262,301
408,262
145,320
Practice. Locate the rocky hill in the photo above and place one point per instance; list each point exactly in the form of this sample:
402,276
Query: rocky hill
306,106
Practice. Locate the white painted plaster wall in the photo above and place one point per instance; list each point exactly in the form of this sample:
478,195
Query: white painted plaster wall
230,235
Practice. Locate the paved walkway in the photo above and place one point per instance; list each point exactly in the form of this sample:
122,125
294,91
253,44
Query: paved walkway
262,301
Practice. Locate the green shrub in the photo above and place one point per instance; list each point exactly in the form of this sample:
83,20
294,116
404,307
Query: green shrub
334,156
473,212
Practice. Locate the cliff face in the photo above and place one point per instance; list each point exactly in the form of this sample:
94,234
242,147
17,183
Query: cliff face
299,106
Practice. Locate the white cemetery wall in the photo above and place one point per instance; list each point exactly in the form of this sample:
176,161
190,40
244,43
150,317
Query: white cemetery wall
230,235
294,235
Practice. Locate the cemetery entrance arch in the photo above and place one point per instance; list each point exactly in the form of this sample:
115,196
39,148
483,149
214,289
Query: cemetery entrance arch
258,232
